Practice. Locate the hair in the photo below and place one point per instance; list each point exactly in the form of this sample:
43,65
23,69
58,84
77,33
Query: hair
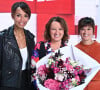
63,24
23,6
86,21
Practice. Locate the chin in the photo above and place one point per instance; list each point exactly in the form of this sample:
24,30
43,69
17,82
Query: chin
57,40
85,39
21,27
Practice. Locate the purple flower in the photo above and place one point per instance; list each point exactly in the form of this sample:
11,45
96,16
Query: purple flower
36,53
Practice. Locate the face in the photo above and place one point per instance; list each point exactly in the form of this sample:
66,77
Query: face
56,31
86,33
20,18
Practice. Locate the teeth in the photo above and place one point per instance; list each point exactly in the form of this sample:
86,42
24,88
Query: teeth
22,23
86,35
56,35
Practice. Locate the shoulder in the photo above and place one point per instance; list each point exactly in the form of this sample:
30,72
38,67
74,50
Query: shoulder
29,34
7,31
2,33
78,45
38,44
2,36
96,43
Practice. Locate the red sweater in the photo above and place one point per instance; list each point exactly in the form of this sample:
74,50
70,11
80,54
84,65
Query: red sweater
92,50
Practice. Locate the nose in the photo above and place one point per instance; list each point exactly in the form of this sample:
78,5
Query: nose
57,30
22,18
85,31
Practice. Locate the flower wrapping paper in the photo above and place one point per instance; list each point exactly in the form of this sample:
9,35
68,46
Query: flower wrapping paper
75,54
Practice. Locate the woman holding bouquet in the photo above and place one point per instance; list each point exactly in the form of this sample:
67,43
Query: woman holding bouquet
16,44
86,29
56,36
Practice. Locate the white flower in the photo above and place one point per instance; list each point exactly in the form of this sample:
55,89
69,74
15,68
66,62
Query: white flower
50,61
74,82
73,63
59,77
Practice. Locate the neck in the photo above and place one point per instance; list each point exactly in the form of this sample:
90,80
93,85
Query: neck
88,42
18,31
55,45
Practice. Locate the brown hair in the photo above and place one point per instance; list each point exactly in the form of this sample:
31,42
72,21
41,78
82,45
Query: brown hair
23,6
63,24
86,21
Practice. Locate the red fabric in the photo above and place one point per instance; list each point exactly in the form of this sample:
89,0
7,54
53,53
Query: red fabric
55,7
5,5
44,7
92,50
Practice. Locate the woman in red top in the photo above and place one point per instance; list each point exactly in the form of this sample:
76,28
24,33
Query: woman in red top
86,28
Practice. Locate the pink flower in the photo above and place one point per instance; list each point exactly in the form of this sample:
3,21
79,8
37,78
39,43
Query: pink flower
65,85
77,67
80,71
52,65
75,72
56,63
77,78
52,84
67,60
56,70
69,67
42,70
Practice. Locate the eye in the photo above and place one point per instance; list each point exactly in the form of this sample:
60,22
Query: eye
53,29
60,28
81,29
89,28
26,15
18,15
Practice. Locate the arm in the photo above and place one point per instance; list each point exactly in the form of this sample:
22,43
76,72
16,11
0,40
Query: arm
35,55
38,52
1,42
34,59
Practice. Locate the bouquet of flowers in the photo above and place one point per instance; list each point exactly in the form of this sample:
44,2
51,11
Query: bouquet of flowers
60,74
